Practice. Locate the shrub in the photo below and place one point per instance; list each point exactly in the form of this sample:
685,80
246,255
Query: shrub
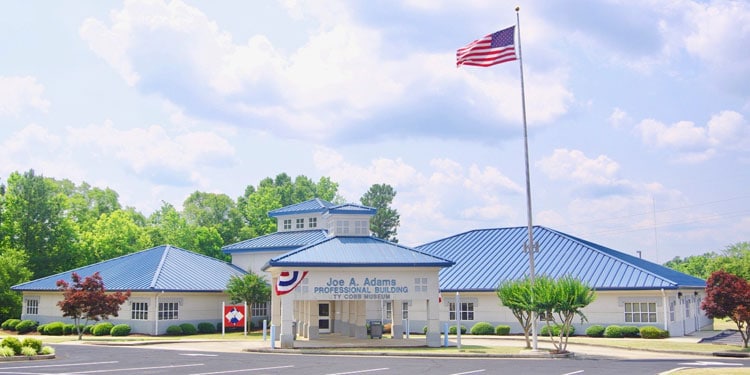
424,330
556,329
26,326
651,332
595,331
40,329
188,329
10,324
502,330
32,343
54,328
120,330
12,343
452,330
102,329
47,350
28,351
68,329
6,351
206,327
613,332
174,330
482,328
630,331
87,329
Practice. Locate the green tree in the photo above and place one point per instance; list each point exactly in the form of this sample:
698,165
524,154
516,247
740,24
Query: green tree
561,301
14,271
113,234
517,295
86,299
250,288
216,211
36,222
385,223
734,259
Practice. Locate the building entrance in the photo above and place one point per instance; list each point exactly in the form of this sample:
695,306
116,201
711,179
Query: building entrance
324,317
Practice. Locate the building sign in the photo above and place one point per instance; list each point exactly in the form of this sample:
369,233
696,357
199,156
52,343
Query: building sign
367,286
234,316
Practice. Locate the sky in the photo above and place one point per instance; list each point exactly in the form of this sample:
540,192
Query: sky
638,112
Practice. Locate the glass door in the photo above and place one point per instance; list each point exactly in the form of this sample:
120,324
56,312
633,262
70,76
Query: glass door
324,317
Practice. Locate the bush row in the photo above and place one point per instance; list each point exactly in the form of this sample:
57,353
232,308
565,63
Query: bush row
190,329
615,331
11,346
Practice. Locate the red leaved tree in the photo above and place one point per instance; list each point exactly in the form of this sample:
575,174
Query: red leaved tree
87,300
728,296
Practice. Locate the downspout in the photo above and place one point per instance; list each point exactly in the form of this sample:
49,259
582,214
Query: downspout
666,306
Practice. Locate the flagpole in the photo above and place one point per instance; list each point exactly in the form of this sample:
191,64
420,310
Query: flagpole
531,247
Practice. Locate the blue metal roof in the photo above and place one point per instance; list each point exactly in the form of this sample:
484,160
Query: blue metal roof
350,208
313,205
485,258
356,251
161,268
277,241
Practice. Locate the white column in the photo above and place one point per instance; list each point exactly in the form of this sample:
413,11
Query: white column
397,329
287,317
433,323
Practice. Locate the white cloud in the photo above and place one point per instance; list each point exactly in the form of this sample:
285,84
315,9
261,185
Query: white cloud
724,131
619,118
574,165
20,93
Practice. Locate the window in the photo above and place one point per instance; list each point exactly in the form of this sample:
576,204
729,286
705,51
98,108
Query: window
405,310
388,310
300,223
287,224
168,310
32,306
640,312
420,284
139,310
687,308
312,222
545,317
361,227
342,227
259,309
467,311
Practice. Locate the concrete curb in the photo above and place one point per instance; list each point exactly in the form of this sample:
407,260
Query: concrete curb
17,358
320,351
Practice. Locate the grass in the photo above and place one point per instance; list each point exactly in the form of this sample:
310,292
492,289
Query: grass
646,344
710,371
477,349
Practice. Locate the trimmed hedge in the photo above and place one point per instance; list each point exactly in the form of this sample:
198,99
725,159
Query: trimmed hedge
10,324
54,328
452,329
12,343
26,326
613,332
502,330
556,330
651,332
174,330
482,328
595,331
69,328
120,330
188,329
102,329
206,327
630,331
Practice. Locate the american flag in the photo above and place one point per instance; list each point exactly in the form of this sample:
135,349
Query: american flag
492,49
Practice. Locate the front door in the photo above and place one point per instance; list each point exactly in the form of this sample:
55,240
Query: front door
324,317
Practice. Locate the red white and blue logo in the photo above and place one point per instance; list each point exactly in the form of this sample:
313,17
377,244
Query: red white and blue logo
288,280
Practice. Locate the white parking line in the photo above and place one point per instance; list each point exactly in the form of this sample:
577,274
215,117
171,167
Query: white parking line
137,368
361,371
470,372
73,364
242,370
574,372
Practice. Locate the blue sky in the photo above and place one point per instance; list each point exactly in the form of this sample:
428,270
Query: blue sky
637,110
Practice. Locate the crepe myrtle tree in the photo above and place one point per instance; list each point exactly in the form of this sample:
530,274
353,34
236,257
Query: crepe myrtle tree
86,300
516,295
250,288
728,296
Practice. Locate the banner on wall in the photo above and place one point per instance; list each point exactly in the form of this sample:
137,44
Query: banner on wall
288,280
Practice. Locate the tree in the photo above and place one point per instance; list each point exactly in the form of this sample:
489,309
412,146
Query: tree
561,301
386,221
734,259
112,235
517,295
250,288
14,271
728,296
87,300
216,211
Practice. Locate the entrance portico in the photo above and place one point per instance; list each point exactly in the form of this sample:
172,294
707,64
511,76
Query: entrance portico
344,282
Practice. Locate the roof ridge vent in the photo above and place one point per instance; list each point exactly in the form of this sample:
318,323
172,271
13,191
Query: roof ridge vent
159,268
